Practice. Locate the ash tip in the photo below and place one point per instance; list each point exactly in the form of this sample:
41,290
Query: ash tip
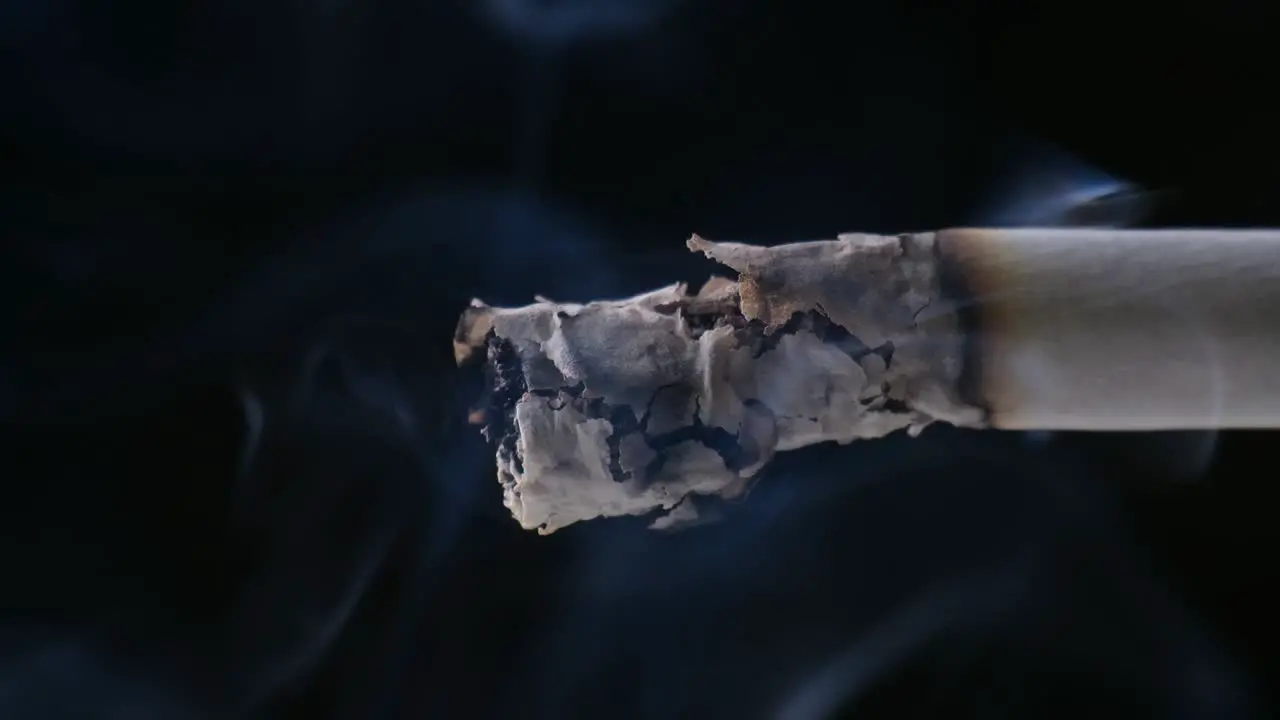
469,335
697,243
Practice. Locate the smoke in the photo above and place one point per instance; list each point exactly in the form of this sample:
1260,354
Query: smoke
907,632
988,641
1042,185
45,675
561,23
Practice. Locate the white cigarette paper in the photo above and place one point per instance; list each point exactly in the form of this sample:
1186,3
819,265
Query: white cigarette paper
627,406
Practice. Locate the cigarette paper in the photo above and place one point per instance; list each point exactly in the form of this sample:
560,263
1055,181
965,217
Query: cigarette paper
623,407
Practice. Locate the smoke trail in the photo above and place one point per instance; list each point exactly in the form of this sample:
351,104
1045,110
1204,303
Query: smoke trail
1045,186
54,677
1028,638
562,23
946,607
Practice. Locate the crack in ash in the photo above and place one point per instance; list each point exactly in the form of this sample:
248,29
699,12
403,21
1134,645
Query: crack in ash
624,422
721,441
756,335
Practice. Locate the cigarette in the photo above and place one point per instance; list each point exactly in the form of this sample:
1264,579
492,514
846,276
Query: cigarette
622,407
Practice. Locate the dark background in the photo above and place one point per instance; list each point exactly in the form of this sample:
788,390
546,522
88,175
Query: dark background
236,478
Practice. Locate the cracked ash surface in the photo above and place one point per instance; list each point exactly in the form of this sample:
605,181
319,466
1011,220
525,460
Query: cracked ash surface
624,407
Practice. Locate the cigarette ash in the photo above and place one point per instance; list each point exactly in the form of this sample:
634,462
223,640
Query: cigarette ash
620,407
672,416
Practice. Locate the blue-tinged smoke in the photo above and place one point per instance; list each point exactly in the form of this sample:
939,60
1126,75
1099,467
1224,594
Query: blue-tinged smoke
44,675
562,23
1045,186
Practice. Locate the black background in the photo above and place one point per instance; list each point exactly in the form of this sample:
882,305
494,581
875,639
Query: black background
237,480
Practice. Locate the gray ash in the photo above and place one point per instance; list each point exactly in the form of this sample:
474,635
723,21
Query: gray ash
506,384
624,421
621,417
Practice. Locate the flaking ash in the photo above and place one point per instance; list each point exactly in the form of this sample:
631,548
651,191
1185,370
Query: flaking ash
624,407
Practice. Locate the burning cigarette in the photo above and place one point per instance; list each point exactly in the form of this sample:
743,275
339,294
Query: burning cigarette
623,407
